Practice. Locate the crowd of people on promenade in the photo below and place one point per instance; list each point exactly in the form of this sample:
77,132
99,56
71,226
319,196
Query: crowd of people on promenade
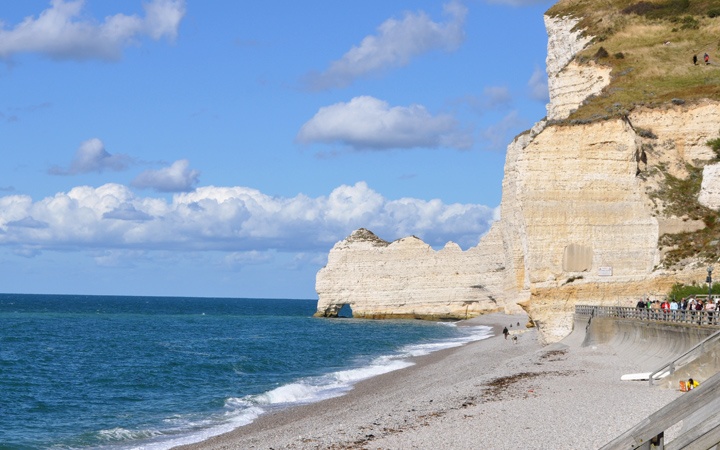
685,309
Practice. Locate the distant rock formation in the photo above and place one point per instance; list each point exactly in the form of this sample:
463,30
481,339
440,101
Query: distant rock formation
408,279
582,216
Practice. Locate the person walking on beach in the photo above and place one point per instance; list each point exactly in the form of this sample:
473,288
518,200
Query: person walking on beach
506,332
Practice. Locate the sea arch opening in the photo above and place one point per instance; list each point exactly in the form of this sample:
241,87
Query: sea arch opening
345,311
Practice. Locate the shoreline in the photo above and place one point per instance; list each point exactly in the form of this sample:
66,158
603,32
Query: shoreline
492,393
278,417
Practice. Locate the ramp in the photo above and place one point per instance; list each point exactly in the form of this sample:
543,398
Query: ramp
698,407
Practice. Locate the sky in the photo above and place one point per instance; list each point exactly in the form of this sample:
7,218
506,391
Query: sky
221,148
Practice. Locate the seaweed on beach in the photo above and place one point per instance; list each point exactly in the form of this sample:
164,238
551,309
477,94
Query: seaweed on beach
555,354
502,388
503,383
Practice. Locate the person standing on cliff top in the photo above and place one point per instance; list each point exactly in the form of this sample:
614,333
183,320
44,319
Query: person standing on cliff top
695,59
707,58
506,332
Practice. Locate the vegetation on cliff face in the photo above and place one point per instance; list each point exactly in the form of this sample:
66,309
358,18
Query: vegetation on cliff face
680,196
650,46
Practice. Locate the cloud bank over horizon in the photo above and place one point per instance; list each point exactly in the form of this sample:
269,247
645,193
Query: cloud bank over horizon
227,219
175,147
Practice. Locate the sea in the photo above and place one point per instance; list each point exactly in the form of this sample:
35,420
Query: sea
121,372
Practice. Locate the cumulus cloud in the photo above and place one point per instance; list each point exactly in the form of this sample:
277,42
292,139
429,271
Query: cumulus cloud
27,222
91,156
366,123
538,85
62,32
241,221
397,41
176,178
126,212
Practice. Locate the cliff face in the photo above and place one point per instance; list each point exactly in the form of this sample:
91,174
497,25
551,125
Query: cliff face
583,210
408,279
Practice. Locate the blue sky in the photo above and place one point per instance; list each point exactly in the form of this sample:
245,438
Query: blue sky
221,148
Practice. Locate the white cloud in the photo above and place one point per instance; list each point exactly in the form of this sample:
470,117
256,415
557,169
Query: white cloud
91,156
368,123
27,222
538,85
126,212
240,221
394,45
62,32
176,178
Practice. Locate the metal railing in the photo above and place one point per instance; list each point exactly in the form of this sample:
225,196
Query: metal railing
689,317
689,356
700,405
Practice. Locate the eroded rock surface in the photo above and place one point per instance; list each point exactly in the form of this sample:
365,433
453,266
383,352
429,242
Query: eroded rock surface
580,217
408,279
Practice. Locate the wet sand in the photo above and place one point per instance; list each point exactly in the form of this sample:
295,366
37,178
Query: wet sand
493,394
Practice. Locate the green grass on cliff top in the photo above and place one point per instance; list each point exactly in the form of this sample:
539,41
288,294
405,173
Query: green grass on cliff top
649,45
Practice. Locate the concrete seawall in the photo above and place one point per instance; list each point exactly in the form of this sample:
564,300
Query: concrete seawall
650,343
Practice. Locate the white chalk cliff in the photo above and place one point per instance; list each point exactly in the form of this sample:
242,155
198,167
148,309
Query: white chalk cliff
580,218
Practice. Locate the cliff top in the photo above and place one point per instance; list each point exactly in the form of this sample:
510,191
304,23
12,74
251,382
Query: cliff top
365,235
649,46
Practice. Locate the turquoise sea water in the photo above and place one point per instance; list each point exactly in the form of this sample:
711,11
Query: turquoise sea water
154,372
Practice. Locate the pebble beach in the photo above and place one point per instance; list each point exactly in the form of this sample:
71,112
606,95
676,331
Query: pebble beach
492,394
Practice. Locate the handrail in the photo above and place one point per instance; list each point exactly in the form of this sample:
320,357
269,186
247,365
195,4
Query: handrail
679,409
695,351
699,406
690,317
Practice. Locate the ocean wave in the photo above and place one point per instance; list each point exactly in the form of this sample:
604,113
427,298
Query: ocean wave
313,389
122,434
473,334
240,411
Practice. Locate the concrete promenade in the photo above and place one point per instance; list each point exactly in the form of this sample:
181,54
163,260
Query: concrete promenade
652,338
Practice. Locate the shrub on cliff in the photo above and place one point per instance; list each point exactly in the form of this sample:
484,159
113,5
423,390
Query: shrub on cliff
667,9
715,145
680,291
